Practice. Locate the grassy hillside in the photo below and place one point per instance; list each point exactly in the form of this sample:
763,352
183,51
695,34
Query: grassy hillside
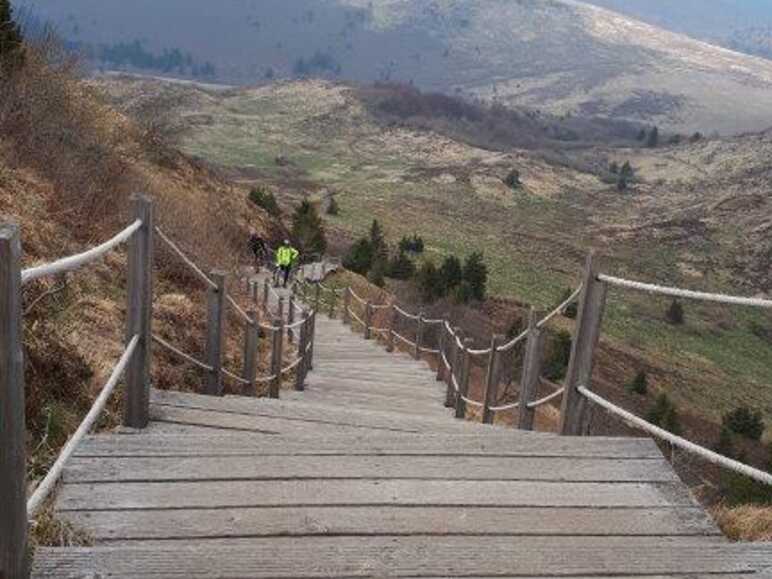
562,56
697,215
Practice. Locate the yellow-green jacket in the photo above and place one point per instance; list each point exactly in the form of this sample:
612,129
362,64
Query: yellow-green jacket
286,255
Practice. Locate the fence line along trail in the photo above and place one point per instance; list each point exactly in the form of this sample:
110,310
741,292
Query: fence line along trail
359,459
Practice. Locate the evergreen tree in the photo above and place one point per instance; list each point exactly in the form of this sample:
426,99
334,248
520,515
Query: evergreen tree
725,445
653,139
476,276
627,171
613,167
377,273
401,267
10,35
572,309
377,240
333,208
641,135
665,414
428,281
559,356
745,421
621,184
264,199
675,313
307,229
639,384
360,257
451,274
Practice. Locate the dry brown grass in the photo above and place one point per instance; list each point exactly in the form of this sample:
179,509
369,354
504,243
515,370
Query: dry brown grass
745,523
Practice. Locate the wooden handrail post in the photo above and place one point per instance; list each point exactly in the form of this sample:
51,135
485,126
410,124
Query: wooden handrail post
300,375
442,347
277,355
266,291
214,335
317,296
491,380
13,466
368,320
254,292
139,315
347,306
463,381
529,382
419,336
291,318
390,329
574,418
455,362
250,355
281,308
311,337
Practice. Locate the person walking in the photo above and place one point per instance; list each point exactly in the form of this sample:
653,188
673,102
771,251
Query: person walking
258,248
286,256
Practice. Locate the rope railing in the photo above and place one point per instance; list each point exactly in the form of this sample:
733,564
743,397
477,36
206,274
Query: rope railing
683,293
505,407
561,309
180,354
235,377
405,314
79,260
47,485
185,259
239,311
677,441
547,399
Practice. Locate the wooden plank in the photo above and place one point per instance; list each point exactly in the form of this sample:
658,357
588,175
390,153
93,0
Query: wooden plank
405,557
13,489
500,443
309,521
206,494
82,470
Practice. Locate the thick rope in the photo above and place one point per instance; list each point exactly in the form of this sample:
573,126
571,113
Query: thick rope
686,445
357,298
507,347
686,294
504,407
404,339
79,260
547,399
561,308
190,359
292,366
405,314
49,482
235,377
240,312
181,254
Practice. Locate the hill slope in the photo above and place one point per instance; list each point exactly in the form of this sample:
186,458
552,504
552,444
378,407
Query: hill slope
563,56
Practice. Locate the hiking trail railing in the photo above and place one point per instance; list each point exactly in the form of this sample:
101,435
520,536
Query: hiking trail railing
498,364
134,365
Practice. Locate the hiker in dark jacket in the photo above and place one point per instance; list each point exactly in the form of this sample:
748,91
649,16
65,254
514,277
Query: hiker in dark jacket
258,249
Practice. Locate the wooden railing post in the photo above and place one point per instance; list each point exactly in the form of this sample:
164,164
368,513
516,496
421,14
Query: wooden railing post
419,336
13,467
140,315
574,419
281,308
390,329
347,306
311,337
491,380
214,336
532,364
254,292
442,347
300,375
368,320
317,296
291,318
250,355
277,354
463,382
455,361
266,292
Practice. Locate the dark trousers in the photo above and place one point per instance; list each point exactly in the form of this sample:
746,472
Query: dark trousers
285,270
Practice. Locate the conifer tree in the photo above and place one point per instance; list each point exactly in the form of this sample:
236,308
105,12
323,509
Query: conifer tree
10,35
307,229
476,276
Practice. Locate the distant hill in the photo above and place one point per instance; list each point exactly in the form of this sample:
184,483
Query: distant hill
560,56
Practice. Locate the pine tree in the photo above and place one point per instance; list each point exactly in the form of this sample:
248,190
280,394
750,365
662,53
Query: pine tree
428,281
360,257
451,274
613,167
10,35
307,229
653,139
377,240
401,267
675,313
377,273
627,170
476,276
333,208
639,384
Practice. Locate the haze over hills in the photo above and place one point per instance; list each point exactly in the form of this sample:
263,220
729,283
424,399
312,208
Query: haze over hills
561,56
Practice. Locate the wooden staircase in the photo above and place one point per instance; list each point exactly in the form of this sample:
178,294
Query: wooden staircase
365,474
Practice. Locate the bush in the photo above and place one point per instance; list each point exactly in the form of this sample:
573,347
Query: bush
476,276
378,241
725,444
627,171
428,281
653,140
613,168
559,356
572,309
264,199
307,229
413,244
639,384
360,257
665,414
332,208
621,184
10,37
513,179
745,422
451,274
401,267
377,273
675,313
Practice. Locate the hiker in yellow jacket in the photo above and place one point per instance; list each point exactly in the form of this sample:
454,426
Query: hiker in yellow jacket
286,256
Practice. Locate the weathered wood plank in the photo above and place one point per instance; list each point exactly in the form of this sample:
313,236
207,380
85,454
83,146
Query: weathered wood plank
102,469
499,443
294,521
104,496
405,557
